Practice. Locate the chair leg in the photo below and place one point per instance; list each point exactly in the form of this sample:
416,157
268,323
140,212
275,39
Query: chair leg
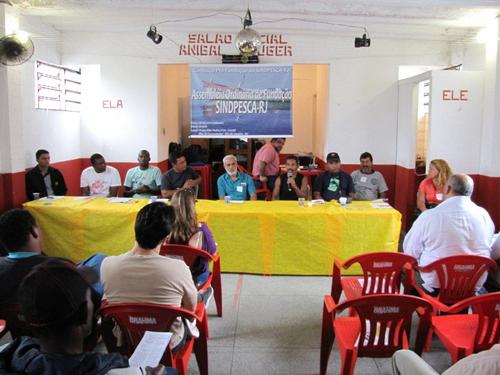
201,353
327,339
428,340
348,362
217,285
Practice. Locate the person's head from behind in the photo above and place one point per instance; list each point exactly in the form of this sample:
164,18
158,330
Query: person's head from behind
333,162
19,232
153,224
459,185
186,221
440,171
292,164
178,161
42,158
98,162
278,143
58,304
143,158
230,164
366,162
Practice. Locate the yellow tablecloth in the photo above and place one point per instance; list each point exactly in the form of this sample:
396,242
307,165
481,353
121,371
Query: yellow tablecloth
253,237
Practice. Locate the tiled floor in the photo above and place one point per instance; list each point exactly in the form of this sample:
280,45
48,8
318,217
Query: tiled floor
271,325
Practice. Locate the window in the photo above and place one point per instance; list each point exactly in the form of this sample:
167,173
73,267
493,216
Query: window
57,87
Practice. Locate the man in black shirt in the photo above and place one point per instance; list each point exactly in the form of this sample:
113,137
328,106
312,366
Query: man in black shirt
20,237
290,185
44,179
333,183
179,176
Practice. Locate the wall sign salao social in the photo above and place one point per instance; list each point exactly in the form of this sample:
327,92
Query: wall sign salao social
456,95
112,104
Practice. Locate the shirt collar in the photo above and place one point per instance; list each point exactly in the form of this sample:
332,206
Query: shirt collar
21,254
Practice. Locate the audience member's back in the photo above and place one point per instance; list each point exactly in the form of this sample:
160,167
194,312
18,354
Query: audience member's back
20,237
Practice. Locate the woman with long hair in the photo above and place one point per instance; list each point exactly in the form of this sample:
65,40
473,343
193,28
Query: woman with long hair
188,231
431,189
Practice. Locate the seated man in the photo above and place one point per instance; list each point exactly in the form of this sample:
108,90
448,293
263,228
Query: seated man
486,362
100,180
20,236
179,176
142,181
60,306
333,183
368,183
44,179
238,186
290,185
143,275
457,226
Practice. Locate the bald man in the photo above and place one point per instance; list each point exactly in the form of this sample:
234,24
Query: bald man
455,227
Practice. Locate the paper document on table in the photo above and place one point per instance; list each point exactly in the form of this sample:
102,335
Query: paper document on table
150,349
381,205
236,201
119,200
52,197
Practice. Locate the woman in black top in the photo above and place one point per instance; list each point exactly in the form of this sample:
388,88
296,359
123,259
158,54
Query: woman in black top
290,185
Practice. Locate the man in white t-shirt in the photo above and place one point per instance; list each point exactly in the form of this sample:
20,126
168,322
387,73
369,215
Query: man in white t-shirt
100,180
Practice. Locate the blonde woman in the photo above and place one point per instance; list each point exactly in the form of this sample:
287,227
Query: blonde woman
431,189
188,231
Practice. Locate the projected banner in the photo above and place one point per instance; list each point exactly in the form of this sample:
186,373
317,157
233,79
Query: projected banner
241,101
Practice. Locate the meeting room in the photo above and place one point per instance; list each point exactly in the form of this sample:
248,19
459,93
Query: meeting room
261,187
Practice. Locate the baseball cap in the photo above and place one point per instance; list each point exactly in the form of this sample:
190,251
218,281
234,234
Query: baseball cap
53,292
332,157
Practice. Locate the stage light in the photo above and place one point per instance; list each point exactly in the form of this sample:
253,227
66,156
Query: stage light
155,36
362,42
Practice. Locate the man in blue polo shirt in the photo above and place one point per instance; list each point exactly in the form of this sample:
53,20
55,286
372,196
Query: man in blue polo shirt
239,186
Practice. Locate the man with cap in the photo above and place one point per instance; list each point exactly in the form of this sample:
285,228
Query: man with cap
333,183
59,305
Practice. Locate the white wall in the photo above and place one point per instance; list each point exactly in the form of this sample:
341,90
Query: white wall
455,126
119,133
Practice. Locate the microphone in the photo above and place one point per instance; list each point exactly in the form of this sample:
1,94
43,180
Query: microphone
289,174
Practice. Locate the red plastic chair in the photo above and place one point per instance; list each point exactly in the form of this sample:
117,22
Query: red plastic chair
15,324
381,275
190,256
134,319
464,334
457,275
3,323
263,190
378,330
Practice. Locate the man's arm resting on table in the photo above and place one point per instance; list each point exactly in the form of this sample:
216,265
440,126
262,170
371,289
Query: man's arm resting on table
113,191
167,193
85,191
253,197
317,195
382,195
128,191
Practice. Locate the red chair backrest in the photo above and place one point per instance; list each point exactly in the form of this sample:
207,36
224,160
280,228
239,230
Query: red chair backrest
487,308
16,324
381,271
188,253
458,275
384,319
134,319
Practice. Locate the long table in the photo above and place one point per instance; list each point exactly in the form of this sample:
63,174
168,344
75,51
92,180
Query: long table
270,238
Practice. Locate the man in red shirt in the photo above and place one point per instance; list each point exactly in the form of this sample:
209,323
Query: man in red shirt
266,163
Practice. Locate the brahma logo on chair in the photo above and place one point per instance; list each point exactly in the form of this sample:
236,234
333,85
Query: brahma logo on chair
463,267
142,319
386,310
382,264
